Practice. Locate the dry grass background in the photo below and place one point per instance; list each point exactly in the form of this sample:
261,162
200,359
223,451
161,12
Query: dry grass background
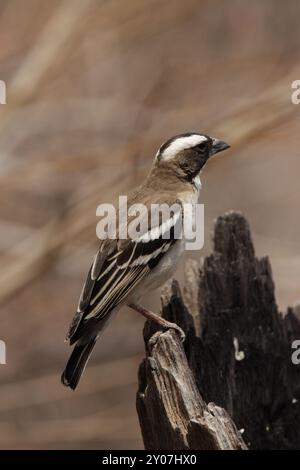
93,88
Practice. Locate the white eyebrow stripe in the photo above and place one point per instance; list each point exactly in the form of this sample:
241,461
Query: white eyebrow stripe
182,143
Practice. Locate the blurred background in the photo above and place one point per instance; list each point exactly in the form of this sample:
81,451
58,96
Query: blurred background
93,88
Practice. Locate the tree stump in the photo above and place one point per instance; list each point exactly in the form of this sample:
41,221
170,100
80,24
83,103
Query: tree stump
234,370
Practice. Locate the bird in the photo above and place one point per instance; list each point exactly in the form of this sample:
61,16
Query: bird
125,269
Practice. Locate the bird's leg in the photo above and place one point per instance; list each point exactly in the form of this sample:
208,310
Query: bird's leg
157,319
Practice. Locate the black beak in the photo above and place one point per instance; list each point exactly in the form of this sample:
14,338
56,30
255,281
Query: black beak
218,146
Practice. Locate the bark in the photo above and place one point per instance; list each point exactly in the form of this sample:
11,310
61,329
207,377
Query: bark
234,370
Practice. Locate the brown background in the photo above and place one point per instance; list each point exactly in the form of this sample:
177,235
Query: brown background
93,88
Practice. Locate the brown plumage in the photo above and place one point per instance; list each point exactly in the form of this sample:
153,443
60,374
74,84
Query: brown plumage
124,269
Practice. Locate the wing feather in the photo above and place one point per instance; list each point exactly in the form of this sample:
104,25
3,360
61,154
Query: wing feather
118,267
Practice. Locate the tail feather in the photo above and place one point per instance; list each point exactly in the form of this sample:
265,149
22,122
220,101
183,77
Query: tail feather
76,364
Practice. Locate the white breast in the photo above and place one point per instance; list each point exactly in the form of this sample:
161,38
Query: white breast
161,273
168,264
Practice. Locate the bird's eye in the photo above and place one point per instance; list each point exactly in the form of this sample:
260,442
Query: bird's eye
201,146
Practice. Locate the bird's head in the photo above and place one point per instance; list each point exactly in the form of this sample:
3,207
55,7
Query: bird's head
188,153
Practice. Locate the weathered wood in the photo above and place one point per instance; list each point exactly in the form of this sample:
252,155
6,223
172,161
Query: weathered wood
172,412
237,356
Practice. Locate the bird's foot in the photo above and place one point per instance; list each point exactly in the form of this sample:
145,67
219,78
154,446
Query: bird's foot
165,327
177,328
165,324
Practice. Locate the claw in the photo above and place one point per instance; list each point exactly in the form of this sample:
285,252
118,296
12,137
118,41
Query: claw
153,339
178,329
